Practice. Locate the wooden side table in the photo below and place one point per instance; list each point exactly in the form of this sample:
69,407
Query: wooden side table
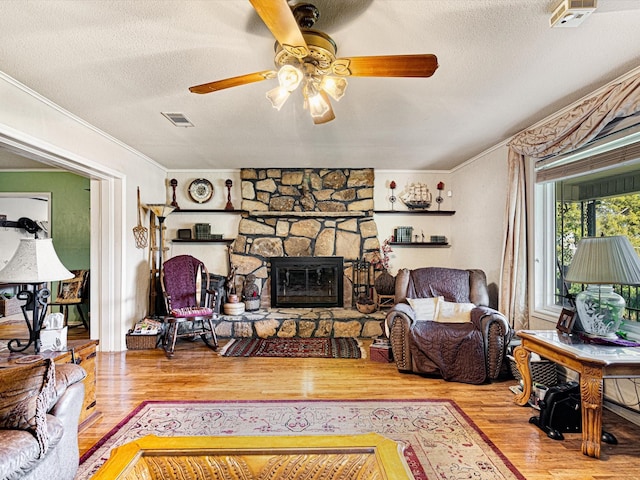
83,353
594,363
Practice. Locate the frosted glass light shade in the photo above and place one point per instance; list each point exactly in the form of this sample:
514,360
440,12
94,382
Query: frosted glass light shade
278,96
317,105
289,77
334,86
34,261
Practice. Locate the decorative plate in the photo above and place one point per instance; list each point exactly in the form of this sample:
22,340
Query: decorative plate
200,190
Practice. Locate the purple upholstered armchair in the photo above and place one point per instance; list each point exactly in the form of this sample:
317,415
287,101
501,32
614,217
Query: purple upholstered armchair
189,301
441,325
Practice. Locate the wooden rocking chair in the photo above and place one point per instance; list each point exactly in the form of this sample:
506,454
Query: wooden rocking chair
189,301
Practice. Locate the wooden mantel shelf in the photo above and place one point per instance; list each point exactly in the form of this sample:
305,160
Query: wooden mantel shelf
310,214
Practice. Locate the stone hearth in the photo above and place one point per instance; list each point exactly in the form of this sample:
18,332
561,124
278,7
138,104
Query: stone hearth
300,322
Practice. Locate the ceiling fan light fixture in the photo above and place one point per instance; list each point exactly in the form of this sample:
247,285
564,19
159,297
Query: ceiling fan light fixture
278,96
334,86
290,77
318,107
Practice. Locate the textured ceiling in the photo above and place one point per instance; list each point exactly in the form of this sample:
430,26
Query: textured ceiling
118,64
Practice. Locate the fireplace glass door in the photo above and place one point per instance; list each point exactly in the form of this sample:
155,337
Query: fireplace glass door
306,281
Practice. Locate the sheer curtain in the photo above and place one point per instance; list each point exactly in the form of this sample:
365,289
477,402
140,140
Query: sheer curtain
562,134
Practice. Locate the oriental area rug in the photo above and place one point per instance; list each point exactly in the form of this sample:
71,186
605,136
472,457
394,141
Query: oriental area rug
322,347
440,441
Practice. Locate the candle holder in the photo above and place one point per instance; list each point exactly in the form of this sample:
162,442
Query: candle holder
174,203
439,198
392,197
228,183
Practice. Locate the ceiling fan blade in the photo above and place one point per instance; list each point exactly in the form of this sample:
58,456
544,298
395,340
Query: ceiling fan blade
423,65
327,117
233,82
279,19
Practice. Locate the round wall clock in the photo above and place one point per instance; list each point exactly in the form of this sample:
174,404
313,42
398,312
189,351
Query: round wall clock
200,190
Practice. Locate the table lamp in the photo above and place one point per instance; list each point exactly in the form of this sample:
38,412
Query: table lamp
34,263
601,262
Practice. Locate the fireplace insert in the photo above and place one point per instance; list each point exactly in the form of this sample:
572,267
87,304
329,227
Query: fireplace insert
306,281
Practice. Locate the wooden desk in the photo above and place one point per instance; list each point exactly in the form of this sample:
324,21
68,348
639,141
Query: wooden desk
83,353
593,362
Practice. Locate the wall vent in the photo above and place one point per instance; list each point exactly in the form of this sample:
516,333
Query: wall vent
178,119
571,13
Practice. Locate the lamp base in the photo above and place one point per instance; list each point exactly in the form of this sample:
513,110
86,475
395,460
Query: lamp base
600,310
37,298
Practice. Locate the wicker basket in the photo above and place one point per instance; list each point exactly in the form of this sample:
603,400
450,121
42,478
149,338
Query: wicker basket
141,342
366,307
543,371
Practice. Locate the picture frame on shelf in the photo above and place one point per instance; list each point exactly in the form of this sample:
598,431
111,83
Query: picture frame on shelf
566,321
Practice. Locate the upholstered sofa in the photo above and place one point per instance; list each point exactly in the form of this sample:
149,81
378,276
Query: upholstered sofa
441,325
40,405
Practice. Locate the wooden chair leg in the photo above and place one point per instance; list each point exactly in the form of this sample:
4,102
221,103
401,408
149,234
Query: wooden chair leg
172,334
213,344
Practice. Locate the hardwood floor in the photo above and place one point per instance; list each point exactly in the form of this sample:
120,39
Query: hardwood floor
125,379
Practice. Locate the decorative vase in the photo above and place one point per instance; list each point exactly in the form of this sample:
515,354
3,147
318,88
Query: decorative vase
600,310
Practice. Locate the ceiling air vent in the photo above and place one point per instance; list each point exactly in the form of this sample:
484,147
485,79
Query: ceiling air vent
178,119
571,13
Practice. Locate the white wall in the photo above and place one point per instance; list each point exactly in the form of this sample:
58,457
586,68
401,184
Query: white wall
412,257
481,192
38,129
214,255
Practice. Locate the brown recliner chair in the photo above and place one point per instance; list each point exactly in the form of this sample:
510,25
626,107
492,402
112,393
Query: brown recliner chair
469,352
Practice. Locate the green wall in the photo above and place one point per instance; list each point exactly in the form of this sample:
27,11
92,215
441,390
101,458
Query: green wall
70,211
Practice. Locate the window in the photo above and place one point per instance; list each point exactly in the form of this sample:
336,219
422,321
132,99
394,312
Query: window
591,193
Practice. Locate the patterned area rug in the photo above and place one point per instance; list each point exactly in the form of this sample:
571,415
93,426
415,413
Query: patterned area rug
294,348
440,441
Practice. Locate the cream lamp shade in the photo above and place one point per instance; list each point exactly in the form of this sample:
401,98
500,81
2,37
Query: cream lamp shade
35,261
601,262
605,260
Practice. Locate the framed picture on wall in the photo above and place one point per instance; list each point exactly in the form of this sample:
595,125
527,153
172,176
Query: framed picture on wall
566,320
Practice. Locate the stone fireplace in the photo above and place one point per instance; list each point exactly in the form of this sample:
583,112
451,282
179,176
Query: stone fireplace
304,213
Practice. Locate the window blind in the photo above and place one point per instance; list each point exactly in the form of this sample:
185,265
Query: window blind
615,148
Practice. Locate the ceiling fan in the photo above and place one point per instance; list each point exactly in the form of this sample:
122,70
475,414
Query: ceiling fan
308,57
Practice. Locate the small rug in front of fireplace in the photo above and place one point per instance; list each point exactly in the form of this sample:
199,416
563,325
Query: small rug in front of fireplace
324,347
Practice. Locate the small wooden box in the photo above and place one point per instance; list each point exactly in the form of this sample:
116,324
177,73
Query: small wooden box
381,353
